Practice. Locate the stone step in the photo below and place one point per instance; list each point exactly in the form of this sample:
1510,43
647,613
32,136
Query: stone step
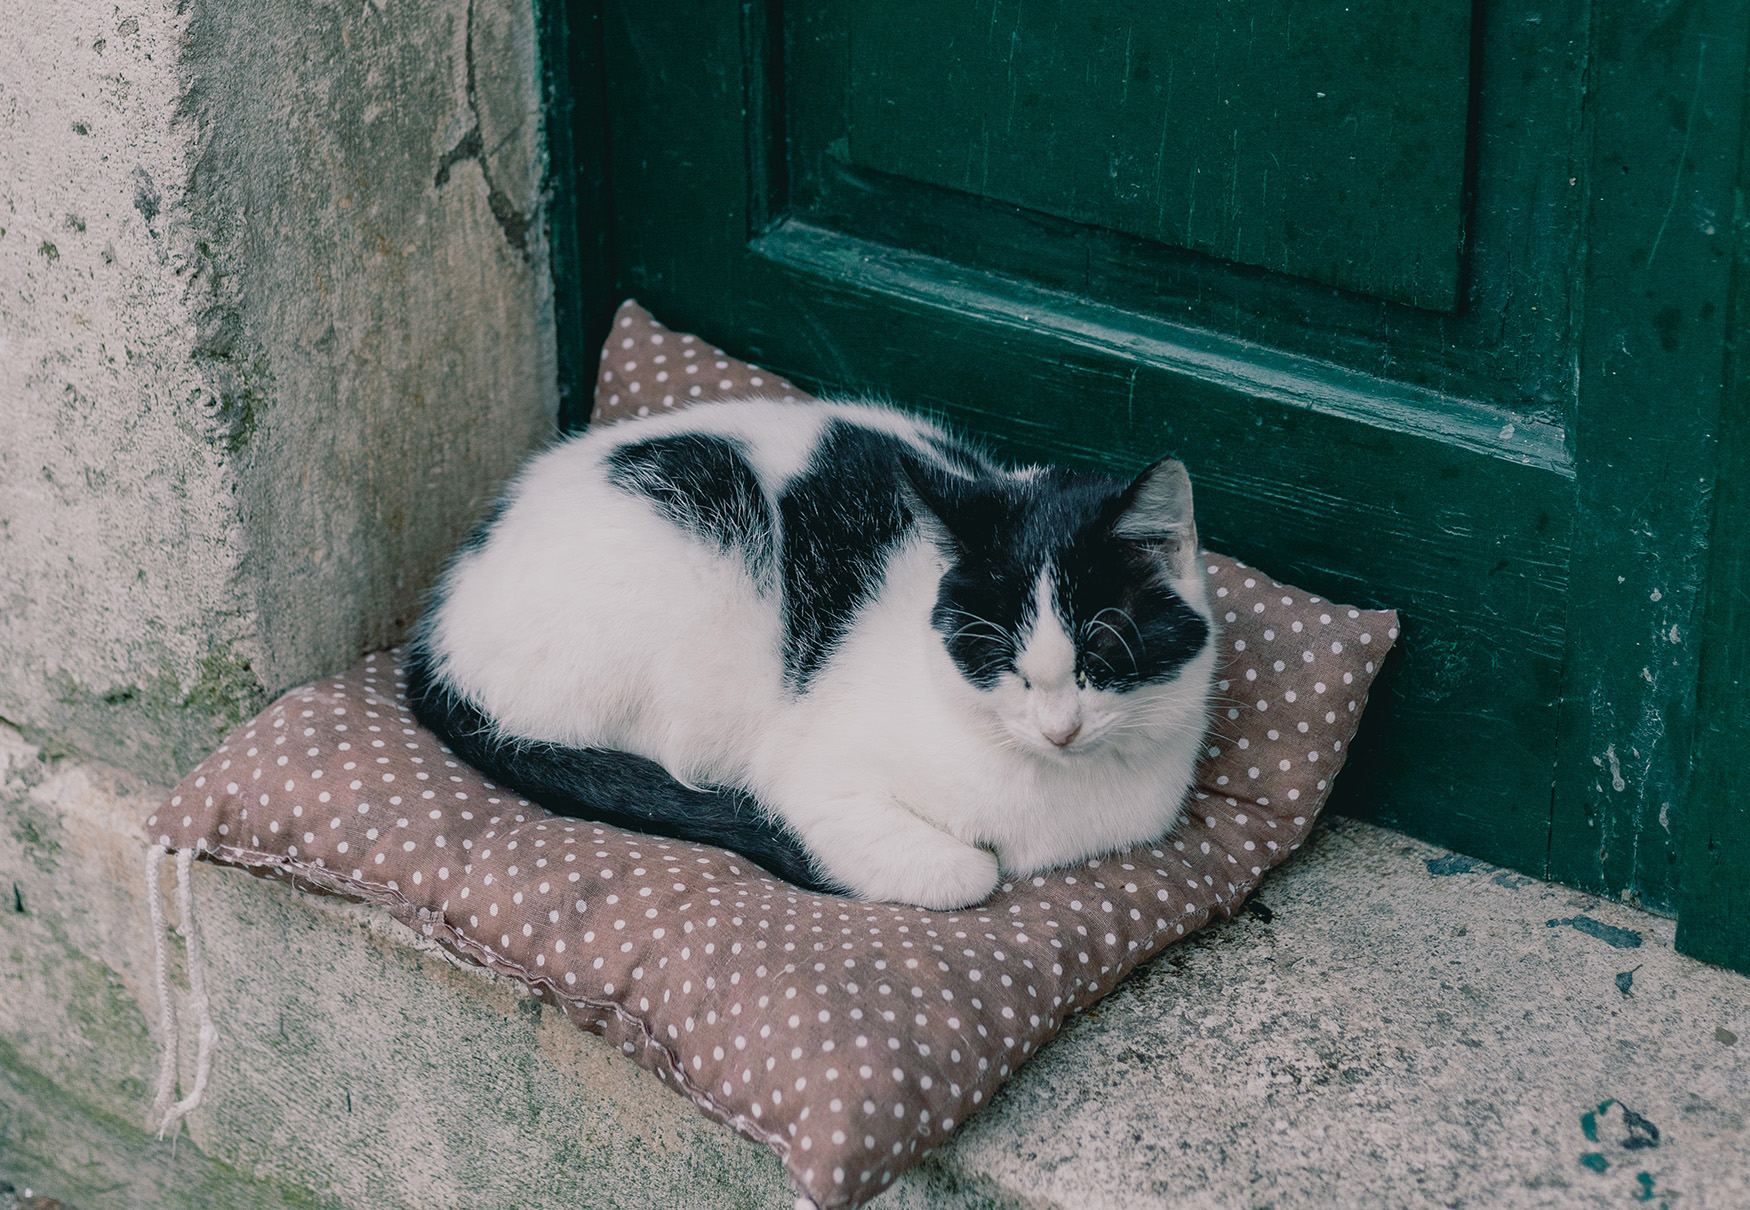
1388,1025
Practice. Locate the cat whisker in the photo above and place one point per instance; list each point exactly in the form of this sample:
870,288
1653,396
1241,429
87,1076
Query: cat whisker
1144,724
973,628
1115,634
964,613
1121,613
1219,700
1095,621
982,624
1096,655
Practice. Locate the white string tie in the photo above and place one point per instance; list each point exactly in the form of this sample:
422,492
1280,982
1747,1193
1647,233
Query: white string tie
198,1003
161,979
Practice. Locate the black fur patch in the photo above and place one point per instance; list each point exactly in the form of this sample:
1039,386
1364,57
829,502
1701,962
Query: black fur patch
606,786
704,485
840,518
1128,627
981,618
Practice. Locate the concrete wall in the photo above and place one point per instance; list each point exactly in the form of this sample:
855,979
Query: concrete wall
275,322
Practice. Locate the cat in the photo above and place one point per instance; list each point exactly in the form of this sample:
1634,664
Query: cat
834,638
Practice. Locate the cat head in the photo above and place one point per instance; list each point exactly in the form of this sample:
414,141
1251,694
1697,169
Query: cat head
1073,603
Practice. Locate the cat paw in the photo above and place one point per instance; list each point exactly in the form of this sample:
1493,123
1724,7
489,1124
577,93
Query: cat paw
938,875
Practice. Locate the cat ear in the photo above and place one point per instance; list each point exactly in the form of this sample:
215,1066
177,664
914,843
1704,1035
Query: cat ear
1155,511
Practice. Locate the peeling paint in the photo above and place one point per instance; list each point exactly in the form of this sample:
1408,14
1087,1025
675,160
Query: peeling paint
1610,934
1616,780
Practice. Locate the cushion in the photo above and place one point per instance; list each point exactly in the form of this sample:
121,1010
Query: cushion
852,1038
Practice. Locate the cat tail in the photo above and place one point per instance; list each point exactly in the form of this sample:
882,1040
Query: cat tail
606,786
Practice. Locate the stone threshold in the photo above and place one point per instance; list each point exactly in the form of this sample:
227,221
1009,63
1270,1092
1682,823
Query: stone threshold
1387,1025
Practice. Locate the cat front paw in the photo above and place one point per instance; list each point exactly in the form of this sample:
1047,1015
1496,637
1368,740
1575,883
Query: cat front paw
939,875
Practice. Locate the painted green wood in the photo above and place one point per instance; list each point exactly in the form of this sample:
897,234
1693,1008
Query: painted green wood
1509,343
1288,480
1713,906
1667,95
578,224
1321,140
1527,477
1457,511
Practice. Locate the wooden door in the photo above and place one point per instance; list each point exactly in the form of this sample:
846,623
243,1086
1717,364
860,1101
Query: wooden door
1433,299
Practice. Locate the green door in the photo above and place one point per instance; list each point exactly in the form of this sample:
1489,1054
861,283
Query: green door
1434,300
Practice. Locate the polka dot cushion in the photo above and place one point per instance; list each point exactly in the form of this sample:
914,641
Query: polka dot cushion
852,1038
646,368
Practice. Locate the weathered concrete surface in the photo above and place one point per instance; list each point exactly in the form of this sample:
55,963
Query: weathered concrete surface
275,322
372,173
359,1065
117,544
1410,1029
1400,1034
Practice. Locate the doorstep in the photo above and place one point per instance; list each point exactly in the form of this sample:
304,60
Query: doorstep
1386,1025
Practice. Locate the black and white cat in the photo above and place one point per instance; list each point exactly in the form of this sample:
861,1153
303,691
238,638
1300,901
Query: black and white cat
835,639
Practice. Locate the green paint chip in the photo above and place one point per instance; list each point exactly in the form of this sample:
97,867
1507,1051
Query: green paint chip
1594,1161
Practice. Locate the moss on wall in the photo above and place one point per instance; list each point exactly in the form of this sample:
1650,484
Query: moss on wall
158,725
50,1140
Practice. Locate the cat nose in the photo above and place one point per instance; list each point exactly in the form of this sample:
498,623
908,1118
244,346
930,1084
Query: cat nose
1061,737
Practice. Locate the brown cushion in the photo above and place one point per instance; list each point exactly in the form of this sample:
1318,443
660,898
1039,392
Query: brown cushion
850,1037
645,369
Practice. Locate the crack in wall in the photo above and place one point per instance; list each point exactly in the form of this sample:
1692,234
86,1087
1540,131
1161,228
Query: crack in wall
472,146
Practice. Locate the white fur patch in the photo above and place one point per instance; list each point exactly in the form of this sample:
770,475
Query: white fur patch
591,620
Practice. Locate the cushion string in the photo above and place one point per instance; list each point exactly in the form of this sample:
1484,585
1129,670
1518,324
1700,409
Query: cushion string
161,978
208,1033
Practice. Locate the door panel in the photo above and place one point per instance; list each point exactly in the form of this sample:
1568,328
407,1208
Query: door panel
1285,136
1507,343
1520,464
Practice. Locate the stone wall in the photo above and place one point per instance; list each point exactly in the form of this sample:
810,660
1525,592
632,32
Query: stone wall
275,323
